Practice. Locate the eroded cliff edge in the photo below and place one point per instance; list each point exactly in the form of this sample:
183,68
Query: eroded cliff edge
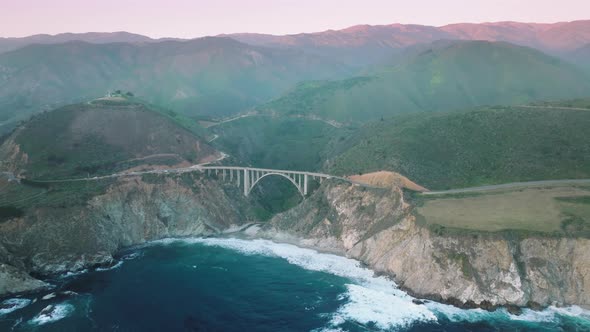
131,211
476,269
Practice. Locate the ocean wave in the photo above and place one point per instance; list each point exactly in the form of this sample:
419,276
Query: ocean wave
375,299
131,256
10,305
115,266
52,313
70,274
370,299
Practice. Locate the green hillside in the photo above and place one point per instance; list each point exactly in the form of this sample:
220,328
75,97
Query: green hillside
477,147
97,138
277,142
445,76
206,76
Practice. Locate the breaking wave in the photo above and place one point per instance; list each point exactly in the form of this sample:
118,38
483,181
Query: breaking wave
376,300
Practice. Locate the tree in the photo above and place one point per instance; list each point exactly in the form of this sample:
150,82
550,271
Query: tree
129,94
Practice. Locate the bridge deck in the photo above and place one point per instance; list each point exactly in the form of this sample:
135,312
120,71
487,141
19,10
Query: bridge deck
322,175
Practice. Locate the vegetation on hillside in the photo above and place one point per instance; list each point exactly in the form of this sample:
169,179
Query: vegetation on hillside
445,76
277,142
573,103
101,138
212,76
471,148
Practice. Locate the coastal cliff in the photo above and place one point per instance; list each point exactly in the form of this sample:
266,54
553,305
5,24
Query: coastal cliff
51,240
377,227
483,269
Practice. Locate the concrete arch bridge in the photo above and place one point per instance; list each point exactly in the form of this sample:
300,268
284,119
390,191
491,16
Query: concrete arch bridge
248,177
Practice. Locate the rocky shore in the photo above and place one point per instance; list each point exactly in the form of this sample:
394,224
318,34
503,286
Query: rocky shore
484,270
54,240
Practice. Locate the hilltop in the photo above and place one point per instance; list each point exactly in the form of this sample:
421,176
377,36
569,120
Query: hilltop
471,148
446,75
100,137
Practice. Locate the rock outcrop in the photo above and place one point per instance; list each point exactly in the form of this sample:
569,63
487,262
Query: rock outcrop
475,269
50,240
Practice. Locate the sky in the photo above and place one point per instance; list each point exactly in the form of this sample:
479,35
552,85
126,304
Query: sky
196,18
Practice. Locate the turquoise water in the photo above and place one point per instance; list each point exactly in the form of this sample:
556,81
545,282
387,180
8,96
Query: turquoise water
251,285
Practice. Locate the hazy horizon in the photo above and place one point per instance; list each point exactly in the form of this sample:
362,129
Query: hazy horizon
191,19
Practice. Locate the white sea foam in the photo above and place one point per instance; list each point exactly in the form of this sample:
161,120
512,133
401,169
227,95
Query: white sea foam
52,313
10,305
131,256
73,274
116,266
372,299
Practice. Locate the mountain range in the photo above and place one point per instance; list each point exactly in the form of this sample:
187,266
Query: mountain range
224,75
561,37
445,76
206,76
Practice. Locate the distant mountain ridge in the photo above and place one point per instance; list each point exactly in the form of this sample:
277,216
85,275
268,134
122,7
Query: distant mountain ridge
549,37
9,44
552,37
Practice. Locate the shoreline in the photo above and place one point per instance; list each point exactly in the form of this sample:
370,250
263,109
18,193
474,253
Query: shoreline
241,232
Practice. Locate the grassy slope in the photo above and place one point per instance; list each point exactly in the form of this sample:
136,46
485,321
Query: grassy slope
556,210
445,76
485,146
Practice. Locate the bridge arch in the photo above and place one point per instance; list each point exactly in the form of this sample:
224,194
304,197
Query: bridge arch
279,174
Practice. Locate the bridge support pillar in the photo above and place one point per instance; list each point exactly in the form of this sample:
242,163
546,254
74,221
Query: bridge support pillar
305,185
246,182
238,179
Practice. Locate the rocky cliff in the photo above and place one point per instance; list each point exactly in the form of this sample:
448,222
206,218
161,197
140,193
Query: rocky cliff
475,269
49,240
377,227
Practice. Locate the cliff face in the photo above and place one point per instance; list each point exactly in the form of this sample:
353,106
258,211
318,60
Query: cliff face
54,240
483,269
375,227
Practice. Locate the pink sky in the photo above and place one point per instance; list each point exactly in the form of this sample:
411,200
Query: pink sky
185,18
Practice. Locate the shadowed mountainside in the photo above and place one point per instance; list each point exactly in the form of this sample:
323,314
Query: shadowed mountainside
212,76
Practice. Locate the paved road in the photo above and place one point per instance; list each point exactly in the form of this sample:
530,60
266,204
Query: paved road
332,123
556,107
513,185
123,174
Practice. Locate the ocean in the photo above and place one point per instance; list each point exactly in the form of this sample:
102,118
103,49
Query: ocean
226,284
